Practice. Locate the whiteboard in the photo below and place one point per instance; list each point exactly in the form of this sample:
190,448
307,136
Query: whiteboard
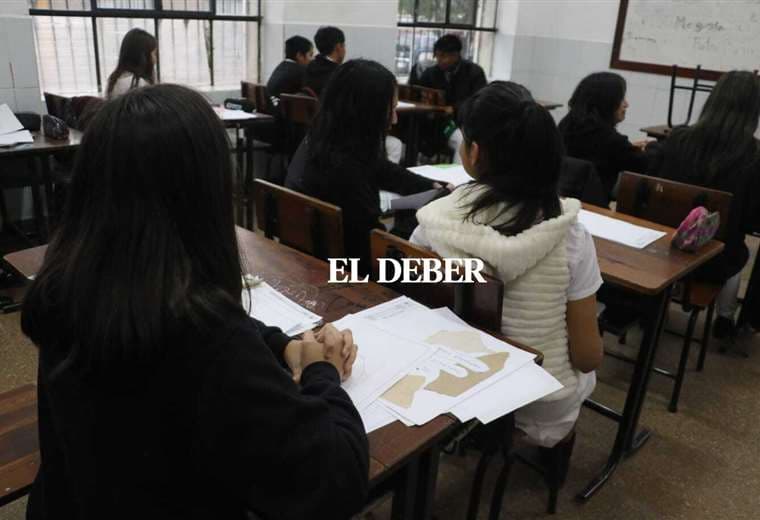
719,35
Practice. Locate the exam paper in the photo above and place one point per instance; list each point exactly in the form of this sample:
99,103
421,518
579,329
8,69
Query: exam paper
404,104
234,115
22,136
383,358
449,173
375,417
619,231
276,310
8,120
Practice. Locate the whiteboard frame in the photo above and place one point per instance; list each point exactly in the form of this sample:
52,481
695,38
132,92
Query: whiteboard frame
651,68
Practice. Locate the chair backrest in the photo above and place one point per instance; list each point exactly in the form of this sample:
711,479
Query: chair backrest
310,225
257,94
477,303
406,93
58,106
669,202
430,96
299,109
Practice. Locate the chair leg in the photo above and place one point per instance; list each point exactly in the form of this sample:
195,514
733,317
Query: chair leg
673,406
499,489
706,337
477,485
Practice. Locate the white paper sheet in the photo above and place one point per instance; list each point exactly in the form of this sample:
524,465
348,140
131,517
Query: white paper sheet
22,136
405,104
386,197
234,115
375,417
449,173
8,121
619,231
382,360
274,309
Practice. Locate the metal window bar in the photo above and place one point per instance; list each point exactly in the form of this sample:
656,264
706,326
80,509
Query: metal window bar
156,14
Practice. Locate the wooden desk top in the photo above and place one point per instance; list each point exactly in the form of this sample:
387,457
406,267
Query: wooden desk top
652,269
43,145
19,447
658,131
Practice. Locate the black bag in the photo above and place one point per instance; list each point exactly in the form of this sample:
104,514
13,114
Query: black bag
54,127
30,120
239,104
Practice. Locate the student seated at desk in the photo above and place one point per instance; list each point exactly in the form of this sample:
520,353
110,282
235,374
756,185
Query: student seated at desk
458,78
597,105
331,44
137,63
721,152
289,76
512,218
342,159
158,396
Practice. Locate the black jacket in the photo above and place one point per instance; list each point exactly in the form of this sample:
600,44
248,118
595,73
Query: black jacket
214,428
355,187
611,152
318,72
287,78
677,164
463,81
579,180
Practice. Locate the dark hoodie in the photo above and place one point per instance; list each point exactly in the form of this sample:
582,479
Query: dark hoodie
611,152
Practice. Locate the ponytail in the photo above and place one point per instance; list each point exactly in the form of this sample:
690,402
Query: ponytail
521,156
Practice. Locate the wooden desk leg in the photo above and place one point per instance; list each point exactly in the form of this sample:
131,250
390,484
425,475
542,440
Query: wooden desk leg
239,178
39,212
426,483
248,222
403,494
625,443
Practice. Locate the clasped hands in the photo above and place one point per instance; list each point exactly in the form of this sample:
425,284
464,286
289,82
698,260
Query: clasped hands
329,344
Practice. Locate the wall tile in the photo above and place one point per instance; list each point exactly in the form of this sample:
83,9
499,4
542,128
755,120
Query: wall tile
7,97
20,32
29,100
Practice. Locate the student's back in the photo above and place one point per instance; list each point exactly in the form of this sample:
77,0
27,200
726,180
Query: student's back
158,396
588,130
136,65
331,44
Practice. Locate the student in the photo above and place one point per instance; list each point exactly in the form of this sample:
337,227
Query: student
158,396
721,152
512,218
289,76
342,158
458,78
597,106
331,44
137,63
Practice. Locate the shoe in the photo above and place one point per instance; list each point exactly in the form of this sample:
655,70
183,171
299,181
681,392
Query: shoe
723,328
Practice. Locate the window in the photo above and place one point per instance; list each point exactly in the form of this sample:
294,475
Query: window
422,22
201,43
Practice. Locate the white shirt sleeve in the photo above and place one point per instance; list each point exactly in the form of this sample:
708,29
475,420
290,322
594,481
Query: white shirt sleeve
585,277
419,238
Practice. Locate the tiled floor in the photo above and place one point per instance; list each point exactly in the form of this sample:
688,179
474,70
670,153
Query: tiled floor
701,463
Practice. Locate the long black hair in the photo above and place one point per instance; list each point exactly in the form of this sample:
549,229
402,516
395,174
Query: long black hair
354,115
146,247
135,57
597,97
520,155
723,138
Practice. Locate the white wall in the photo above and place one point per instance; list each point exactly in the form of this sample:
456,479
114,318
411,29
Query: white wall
369,26
555,43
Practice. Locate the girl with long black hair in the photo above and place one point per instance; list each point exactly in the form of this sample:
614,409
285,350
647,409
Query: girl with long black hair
158,396
342,160
137,63
597,106
720,152
511,217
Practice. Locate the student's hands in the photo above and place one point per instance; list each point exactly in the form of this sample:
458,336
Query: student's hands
344,342
642,144
313,352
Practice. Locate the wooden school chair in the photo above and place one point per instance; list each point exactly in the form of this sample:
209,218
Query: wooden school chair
19,445
668,202
299,109
265,137
299,221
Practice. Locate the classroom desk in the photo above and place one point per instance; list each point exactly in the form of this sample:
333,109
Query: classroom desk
659,132
414,110
19,447
650,273
37,154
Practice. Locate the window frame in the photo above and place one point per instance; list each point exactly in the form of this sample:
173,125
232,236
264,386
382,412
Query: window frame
447,23
157,13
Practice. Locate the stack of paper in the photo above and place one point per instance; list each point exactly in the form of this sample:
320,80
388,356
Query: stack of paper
619,231
11,130
446,173
274,309
432,363
234,115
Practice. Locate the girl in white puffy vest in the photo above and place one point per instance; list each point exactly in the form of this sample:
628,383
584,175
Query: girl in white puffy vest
512,218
